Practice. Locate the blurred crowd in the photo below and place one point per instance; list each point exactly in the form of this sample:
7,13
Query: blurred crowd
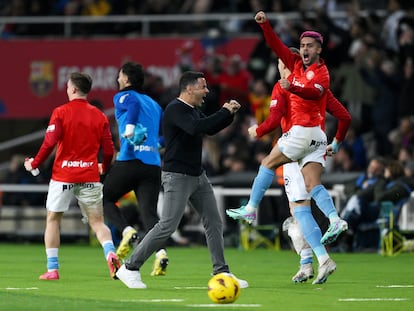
13,8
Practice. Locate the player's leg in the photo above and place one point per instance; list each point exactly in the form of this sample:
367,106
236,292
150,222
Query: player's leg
204,202
296,192
119,181
177,189
308,229
312,172
261,183
57,202
148,190
302,248
312,167
90,201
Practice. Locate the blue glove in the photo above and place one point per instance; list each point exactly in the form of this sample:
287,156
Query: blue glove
335,146
140,135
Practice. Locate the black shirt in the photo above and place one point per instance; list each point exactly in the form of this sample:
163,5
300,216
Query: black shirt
183,129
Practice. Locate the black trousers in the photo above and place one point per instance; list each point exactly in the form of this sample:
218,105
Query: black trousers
144,180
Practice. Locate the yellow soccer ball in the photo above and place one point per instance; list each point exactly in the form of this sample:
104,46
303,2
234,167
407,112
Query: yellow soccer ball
223,288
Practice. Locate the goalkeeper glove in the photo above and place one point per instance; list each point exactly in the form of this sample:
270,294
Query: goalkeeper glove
139,137
335,146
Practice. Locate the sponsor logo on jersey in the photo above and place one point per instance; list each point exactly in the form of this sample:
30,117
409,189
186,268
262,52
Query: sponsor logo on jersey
51,128
122,98
142,148
297,83
76,164
273,102
310,75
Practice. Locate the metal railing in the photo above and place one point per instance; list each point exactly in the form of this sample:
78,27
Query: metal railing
146,21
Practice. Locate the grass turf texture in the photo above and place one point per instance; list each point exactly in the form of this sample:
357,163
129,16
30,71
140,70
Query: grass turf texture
361,282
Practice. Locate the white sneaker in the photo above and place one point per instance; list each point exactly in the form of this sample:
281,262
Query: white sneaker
130,278
305,272
334,230
324,270
242,283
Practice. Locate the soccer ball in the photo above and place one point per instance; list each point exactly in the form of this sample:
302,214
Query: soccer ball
223,288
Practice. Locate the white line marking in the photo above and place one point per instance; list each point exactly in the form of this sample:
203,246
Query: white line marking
372,299
152,300
21,288
162,300
226,305
191,287
395,286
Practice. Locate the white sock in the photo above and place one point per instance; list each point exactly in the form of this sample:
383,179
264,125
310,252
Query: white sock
323,258
52,252
160,252
127,229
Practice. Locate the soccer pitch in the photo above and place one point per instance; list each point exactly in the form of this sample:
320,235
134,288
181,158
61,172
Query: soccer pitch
361,282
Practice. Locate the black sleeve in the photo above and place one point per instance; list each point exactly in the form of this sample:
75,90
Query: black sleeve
194,122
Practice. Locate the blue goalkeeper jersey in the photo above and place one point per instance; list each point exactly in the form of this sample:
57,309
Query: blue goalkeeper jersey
132,107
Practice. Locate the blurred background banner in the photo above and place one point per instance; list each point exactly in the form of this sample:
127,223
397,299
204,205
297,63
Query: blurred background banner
38,79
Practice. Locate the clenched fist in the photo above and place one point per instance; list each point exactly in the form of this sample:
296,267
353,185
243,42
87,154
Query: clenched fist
260,17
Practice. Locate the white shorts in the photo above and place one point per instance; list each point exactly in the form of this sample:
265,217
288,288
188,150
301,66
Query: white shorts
61,194
304,144
294,183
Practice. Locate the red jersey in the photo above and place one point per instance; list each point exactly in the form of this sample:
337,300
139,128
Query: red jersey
79,130
307,86
280,114
278,109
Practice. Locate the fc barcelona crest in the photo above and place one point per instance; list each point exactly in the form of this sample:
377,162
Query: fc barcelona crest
41,77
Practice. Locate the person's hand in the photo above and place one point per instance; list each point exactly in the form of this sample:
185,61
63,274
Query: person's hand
233,106
129,130
28,164
260,17
252,130
139,135
100,168
333,148
284,84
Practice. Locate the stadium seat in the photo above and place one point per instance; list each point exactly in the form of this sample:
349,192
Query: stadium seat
255,236
385,231
392,240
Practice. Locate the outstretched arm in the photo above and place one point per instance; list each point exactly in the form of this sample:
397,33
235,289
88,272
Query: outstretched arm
335,108
274,42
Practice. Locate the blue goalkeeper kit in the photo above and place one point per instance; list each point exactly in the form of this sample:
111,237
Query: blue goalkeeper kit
142,111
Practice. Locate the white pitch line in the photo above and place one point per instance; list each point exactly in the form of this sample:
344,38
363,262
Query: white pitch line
230,305
191,287
372,299
395,286
21,288
152,300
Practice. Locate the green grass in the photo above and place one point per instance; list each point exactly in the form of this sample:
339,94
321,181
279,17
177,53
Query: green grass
85,282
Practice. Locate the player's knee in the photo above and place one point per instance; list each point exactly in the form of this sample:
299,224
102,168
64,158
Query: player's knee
271,163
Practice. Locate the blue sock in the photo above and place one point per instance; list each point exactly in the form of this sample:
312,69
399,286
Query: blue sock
52,263
310,229
261,183
324,201
108,246
306,256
